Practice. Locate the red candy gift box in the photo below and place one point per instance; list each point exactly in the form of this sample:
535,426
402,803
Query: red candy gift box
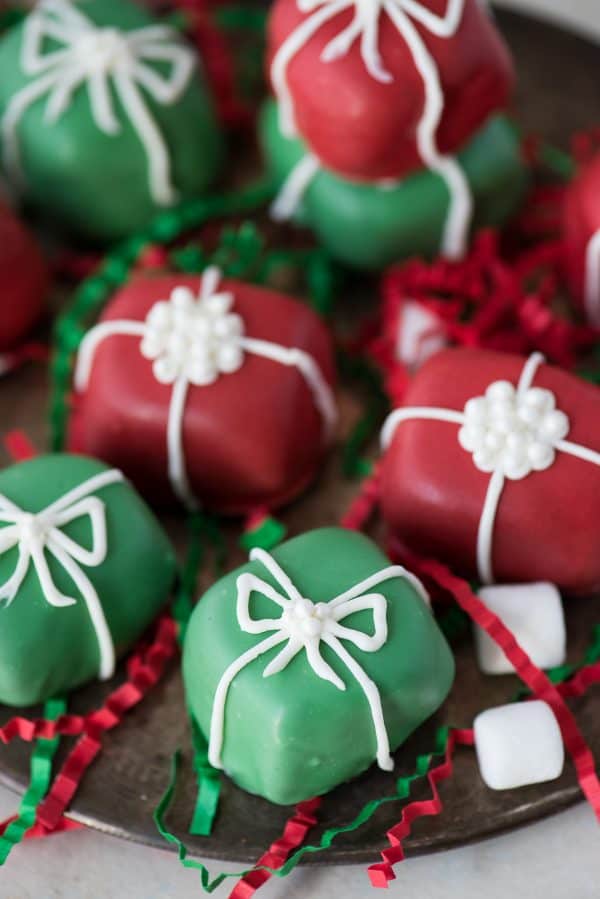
493,465
582,238
359,102
218,393
24,280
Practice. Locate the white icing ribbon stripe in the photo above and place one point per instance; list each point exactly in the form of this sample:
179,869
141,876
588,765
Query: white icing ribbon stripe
510,433
364,27
304,625
592,280
131,62
192,341
34,534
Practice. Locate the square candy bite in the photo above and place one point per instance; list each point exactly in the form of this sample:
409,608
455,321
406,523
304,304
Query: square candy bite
84,568
362,83
534,614
492,465
207,390
518,745
304,667
105,115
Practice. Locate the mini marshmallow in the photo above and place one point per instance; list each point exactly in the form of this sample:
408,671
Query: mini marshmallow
420,335
534,614
518,745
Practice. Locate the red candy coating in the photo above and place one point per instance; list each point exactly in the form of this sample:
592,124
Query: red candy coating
253,438
581,222
24,280
548,524
365,129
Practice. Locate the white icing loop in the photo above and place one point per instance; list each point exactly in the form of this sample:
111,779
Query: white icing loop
303,625
101,59
294,188
192,341
34,534
365,27
592,280
511,433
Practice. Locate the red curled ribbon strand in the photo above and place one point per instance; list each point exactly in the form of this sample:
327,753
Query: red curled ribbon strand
579,684
28,729
18,446
532,677
363,506
144,670
38,831
382,873
294,834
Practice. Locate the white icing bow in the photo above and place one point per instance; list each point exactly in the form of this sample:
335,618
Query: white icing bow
192,342
364,27
511,433
195,338
304,625
41,532
133,62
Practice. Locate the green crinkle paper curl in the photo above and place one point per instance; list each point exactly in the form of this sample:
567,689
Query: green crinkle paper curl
403,787
40,777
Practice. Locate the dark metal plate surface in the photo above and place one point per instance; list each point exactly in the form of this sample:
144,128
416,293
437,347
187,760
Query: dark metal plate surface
558,95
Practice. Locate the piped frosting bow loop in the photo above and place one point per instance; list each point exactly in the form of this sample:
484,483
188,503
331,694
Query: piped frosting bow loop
305,625
36,534
147,61
364,27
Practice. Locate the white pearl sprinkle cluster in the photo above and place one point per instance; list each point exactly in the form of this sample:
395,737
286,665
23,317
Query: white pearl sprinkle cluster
198,339
306,619
515,433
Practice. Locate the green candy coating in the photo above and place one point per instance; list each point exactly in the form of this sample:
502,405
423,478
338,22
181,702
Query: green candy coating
96,185
369,226
45,651
292,736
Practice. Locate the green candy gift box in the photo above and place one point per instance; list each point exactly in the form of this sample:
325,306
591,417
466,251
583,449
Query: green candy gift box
369,225
84,569
304,667
105,116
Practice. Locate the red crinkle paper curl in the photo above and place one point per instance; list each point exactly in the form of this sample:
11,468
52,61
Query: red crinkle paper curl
364,504
382,873
145,668
294,834
537,681
486,300
18,446
585,145
580,683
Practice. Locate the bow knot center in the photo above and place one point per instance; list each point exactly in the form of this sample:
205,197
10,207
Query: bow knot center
305,618
103,50
32,529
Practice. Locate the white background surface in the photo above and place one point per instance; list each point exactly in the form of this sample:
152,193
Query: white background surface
558,858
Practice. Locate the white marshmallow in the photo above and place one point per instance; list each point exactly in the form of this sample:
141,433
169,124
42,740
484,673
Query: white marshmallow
518,744
420,335
534,614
